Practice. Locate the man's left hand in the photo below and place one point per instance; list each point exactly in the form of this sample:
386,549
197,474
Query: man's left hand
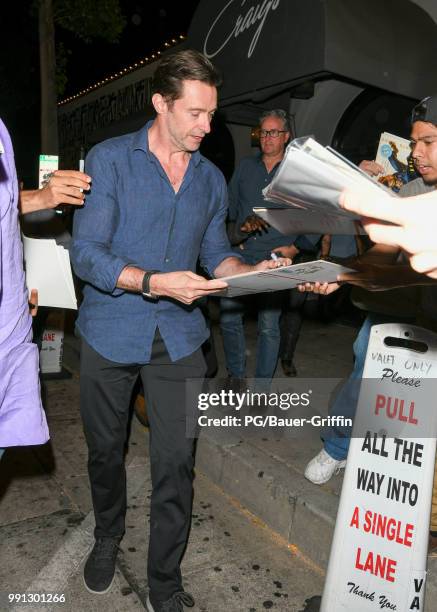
318,288
414,221
33,302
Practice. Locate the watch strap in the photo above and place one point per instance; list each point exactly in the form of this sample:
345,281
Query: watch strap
146,283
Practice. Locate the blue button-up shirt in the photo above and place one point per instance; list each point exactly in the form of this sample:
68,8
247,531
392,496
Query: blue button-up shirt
132,216
245,192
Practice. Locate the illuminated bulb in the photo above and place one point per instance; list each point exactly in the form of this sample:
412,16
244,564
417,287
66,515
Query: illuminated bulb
119,74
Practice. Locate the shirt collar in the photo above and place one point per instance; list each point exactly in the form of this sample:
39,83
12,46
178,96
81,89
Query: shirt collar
141,142
259,157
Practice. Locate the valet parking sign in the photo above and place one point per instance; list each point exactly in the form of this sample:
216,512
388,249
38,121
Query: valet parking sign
379,551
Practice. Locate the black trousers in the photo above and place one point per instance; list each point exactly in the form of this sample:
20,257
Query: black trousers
106,390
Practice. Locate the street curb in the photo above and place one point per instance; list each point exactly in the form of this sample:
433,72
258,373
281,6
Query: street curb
272,491
302,513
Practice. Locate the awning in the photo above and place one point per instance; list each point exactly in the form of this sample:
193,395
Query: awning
265,47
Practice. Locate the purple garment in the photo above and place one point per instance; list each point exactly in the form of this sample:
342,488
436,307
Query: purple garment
22,418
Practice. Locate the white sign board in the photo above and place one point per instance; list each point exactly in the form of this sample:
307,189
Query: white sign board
52,344
48,269
379,551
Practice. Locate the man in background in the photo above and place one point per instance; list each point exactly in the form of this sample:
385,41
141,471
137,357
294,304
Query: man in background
381,268
256,241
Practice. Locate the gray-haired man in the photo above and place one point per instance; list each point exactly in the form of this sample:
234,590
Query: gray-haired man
258,241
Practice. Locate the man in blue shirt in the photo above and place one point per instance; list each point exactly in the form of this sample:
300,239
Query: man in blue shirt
156,205
245,192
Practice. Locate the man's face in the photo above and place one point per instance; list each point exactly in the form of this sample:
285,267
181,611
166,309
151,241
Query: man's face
270,146
424,148
188,119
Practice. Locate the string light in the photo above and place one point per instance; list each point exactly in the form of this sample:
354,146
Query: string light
123,72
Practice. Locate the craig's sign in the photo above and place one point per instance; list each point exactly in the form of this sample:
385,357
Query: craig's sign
267,47
251,42
243,17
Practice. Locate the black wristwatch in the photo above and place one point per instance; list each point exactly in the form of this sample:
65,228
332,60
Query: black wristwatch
146,284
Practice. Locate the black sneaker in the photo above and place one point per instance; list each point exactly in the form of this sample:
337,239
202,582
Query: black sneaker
99,570
288,368
176,603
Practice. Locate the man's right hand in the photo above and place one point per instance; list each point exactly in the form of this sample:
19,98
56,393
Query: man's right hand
186,287
64,187
253,224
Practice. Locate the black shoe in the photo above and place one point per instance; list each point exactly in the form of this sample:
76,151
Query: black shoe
176,603
288,368
237,385
99,570
312,604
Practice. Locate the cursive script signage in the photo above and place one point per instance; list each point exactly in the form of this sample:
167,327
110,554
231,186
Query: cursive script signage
264,47
248,17
255,42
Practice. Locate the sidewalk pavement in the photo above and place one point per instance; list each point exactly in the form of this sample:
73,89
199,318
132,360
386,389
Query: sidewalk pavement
267,473
262,475
233,562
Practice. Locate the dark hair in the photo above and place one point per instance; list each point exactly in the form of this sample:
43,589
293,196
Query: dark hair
185,65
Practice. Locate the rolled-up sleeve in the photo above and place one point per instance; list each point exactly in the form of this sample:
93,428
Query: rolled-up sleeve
94,227
215,245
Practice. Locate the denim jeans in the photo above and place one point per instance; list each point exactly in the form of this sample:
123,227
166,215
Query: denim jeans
336,439
269,307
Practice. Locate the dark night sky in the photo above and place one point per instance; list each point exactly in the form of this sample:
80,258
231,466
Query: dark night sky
149,24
